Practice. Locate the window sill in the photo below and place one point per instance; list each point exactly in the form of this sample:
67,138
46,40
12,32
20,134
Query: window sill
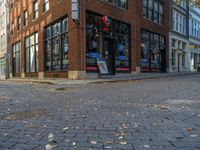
45,12
35,19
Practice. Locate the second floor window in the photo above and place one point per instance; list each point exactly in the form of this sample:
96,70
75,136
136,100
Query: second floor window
2,41
11,4
153,10
179,22
119,3
25,18
18,23
12,28
35,9
45,5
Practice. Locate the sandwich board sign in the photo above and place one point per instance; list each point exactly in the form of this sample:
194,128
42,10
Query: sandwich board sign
103,68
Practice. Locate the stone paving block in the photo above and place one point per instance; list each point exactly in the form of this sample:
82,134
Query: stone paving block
99,112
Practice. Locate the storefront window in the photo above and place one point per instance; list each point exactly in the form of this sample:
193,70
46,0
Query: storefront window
144,54
16,57
155,56
122,52
117,34
56,46
31,53
152,47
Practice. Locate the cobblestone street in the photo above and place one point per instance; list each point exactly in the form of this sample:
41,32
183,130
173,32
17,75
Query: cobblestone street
153,114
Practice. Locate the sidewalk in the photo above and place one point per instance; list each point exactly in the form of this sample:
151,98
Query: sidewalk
118,78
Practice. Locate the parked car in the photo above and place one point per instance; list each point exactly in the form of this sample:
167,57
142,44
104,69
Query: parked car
198,67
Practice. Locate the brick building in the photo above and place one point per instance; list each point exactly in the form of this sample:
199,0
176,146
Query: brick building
131,36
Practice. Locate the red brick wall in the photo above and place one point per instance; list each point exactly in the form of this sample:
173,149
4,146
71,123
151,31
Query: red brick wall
58,9
77,37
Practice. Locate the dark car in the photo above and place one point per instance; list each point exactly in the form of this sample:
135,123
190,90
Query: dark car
198,67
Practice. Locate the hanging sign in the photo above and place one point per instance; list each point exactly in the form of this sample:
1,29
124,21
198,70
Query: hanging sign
75,10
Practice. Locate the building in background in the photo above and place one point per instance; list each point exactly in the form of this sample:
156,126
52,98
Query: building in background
178,37
4,18
130,36
194,37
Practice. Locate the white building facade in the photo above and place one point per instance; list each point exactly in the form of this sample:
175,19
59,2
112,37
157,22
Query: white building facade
3,38
179,54
194,37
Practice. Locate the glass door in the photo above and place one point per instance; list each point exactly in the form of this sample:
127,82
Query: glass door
108,54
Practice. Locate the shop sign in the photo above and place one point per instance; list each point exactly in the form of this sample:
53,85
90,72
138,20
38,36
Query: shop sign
103,68
75,10
191,47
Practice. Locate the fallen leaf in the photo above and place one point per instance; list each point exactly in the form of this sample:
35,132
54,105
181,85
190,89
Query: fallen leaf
50,135
193,136
109,142
123,142
48,147
65,129
74,143
179,138
108,147
34,126
67,140
190,129
94,142
147,146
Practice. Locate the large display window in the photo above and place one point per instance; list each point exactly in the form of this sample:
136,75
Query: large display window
31,53
152,50
107,42
56,46
16,58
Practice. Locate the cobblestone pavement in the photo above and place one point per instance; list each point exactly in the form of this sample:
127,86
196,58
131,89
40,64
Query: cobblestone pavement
158,114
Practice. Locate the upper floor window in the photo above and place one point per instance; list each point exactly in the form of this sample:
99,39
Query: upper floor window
2,21
25,18
182,3
119,3
2,41
35,9
153,10
45,5
195,28
179,22
18,23
11,4
12,28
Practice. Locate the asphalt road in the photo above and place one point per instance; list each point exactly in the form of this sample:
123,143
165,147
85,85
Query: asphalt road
157,114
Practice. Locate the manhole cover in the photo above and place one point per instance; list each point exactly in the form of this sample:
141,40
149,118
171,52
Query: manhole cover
25,114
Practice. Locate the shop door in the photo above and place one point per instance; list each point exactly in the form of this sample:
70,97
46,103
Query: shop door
14,67
163,60
108,54
179,63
